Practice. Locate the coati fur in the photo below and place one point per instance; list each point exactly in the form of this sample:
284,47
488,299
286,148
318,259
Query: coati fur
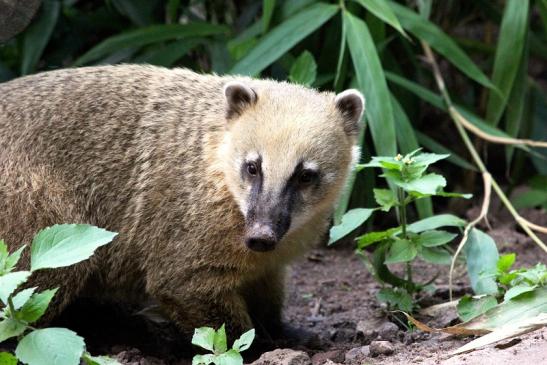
214,183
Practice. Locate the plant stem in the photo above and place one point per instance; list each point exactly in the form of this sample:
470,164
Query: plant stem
11,308
402,210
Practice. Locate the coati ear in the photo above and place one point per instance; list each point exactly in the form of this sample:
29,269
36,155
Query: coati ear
351,105
238,97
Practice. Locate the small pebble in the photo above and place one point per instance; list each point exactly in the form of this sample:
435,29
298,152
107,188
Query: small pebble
381,348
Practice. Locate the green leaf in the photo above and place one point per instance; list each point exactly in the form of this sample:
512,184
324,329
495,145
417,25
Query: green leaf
204,337
203,359
139,11
22,297
446,194
381,9
372,82
245,341
304,69
428,184
517,290
469,308
434,238
505,262
426,159
148,35
268,7
99,360
508,55
441,220
12,260
9,282
283,37
35,308
50,346
37,36
167,55
435,255
530,199
385,198
66,244
401,250
10,328
439,41
231,357
7,359
373,237
219,343
397,297
350,221
482,257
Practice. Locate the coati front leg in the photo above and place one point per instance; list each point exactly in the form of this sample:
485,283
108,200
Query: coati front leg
197,302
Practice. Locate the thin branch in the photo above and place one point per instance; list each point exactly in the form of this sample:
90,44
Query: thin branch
487,181
457,118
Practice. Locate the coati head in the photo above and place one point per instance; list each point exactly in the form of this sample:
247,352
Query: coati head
288,151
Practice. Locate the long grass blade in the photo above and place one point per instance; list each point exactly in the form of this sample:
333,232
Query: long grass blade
382,10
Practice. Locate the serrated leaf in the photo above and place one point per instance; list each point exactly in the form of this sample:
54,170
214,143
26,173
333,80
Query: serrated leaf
469,308
517,290
385,198
505,262
304,69
204,337
482,257
434,238
435,255
245,341
283,37
350,221
7,359
401,250
11,281
441,220
397,298
22,297
203,359
50,346
10,328
428,184
373,237
36,306
231,357
13,259
66,244
219,344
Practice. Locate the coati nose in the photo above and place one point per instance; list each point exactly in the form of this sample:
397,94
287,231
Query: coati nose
260,238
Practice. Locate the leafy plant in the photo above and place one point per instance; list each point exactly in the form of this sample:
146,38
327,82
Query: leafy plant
508,285
409,180
53,247
215,341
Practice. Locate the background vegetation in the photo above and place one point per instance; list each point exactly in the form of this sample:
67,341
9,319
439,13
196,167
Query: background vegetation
491,52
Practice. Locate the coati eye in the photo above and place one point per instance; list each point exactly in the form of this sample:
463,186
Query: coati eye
307,177
252,169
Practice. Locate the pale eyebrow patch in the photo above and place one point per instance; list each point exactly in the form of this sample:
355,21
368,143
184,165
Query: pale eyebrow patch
310,165
252,156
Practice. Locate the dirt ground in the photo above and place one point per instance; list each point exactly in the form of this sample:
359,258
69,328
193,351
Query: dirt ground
332,295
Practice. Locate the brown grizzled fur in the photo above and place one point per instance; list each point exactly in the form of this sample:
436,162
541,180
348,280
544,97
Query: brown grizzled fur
157,156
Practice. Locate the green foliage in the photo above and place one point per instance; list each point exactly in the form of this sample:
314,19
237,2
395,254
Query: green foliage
411,182
508,285
57,246
216,342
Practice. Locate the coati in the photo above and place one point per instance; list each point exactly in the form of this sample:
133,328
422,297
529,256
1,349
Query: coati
214,183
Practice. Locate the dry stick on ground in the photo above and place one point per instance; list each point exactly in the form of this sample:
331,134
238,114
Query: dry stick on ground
487,180
459,122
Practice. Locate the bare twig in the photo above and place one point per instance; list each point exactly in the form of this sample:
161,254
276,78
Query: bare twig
487,181
459,120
